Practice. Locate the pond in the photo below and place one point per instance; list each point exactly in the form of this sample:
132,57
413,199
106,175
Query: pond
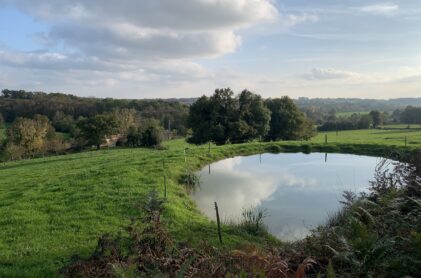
298,191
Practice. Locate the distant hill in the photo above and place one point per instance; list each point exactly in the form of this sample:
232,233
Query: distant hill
340,104
33,102
356,104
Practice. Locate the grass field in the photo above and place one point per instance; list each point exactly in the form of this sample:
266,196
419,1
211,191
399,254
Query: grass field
348,114
392,137
53,208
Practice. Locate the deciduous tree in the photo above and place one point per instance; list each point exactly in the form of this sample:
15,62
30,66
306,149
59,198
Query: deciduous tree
93,130
287,121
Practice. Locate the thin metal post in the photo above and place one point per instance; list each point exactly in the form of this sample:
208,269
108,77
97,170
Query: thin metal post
406,141
219,223
325,138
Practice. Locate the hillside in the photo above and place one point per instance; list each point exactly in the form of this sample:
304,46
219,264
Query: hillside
57,207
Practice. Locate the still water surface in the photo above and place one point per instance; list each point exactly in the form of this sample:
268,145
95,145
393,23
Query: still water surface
299,191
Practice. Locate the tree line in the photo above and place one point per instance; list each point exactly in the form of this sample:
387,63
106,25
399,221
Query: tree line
55,123
373,119
64,110
31,137
224,118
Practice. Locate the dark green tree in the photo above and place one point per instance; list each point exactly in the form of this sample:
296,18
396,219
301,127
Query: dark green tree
223,117
214,118
364,122
149,134
63,122
93,130
411,115
287,121
376,118
152,134
254,114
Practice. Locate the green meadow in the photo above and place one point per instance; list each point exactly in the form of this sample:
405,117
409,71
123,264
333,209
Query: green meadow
56,207
391,136
348,114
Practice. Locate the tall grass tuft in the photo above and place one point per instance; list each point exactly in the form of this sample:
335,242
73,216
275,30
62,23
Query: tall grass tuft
253,220
190,180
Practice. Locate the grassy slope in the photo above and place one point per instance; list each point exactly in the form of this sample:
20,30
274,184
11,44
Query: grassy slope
53,208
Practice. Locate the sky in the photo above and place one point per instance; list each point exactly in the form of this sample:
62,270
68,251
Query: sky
187,48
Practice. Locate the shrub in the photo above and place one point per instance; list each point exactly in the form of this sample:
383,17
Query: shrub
149,134
252,221
190,180
273,148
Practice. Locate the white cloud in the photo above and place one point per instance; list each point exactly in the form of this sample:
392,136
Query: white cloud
290,20
395,77
135,41
381,9
148,28
329,74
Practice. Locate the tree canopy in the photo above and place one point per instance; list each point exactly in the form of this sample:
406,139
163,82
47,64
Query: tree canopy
27,137
287,121
225,118
93,130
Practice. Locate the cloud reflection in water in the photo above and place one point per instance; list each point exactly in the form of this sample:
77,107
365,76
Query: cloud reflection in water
298,190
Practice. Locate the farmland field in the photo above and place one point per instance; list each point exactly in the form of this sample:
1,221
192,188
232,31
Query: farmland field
393,136
57,207
348,114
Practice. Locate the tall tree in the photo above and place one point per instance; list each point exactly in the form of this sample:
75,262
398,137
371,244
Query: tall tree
30,135
93,130
223,117
254,114
411,115
376,118
287,121
125,118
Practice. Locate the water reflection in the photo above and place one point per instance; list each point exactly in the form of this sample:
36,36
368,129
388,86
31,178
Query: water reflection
298,190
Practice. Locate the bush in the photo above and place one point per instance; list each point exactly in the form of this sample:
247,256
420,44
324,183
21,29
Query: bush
149,134
152,136
190,180
274,149
252,221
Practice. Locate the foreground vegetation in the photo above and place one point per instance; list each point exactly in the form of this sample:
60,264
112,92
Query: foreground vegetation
57,207
374,235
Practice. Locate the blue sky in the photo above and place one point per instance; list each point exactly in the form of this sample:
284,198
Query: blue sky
176,48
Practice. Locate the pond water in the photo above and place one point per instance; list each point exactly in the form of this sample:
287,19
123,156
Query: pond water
299,191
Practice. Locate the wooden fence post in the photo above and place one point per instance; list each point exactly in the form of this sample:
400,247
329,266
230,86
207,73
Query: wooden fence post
219,223
165,187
